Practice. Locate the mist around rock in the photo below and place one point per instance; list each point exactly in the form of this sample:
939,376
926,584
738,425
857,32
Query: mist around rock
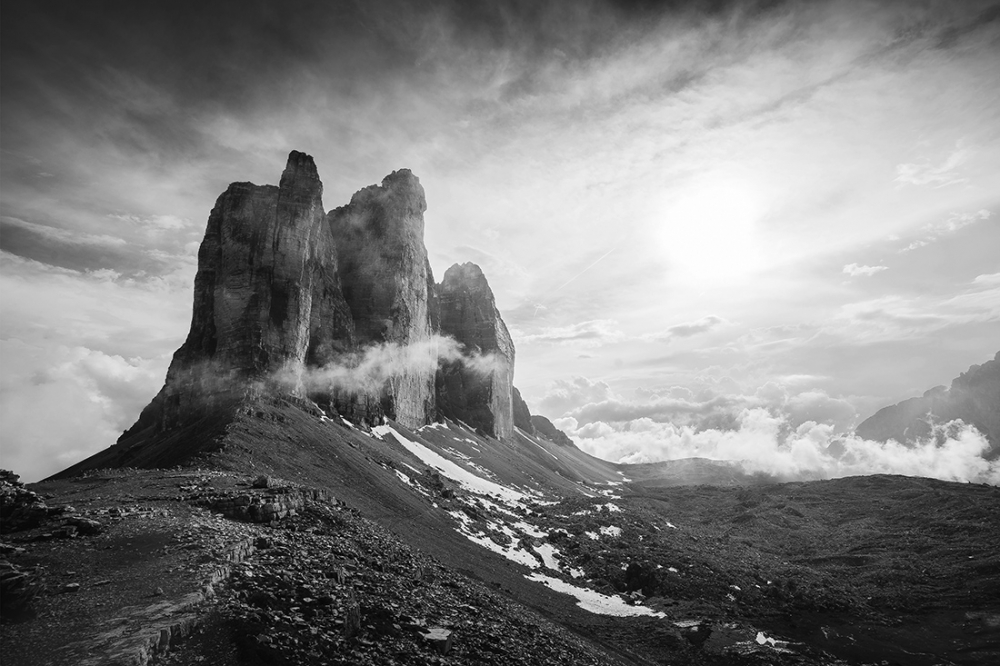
367,372
766,442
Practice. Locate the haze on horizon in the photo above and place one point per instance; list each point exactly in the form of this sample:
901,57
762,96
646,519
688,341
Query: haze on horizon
734,232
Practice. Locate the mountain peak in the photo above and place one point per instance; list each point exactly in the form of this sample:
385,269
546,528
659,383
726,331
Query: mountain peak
337,308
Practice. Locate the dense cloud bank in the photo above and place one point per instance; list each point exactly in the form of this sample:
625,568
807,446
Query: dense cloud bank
767,442
792,433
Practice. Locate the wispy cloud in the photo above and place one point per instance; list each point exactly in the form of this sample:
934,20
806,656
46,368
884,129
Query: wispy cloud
688,329
855,270
594,332
940,175
934,232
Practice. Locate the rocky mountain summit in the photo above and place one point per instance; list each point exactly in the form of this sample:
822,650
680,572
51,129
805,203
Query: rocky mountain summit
337,309
973,397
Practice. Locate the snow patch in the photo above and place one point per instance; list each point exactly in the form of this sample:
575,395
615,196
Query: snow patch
464,477
548,553
530,530
511,552
591,601
611,531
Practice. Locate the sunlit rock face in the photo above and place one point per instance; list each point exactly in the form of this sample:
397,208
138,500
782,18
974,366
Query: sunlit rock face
387,280
974,397
478,388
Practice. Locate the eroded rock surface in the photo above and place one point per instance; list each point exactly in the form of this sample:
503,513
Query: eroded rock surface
379,240
266,293
477,388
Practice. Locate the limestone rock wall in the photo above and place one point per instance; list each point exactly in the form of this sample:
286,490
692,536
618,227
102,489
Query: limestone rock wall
266,294
385,275
477,389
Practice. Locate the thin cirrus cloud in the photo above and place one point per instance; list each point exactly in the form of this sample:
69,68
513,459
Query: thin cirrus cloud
942,175
935,231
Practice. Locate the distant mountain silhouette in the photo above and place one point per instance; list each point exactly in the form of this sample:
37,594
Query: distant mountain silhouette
974,397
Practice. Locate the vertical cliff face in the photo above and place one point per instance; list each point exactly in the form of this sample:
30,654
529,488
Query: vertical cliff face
477,389
266,293
383,267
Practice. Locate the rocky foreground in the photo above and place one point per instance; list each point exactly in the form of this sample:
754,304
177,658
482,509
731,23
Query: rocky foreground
201,566
198,566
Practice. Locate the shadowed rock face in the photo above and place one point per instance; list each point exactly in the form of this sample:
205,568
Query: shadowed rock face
386,278
974,397
266,293
522,415
546,429
478,391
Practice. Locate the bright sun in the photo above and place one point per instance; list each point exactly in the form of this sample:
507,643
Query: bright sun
709,231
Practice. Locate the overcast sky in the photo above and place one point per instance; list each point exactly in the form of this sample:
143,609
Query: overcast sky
692,219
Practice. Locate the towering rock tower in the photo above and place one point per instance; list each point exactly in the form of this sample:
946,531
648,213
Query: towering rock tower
266,294
388,285
291,303
479,393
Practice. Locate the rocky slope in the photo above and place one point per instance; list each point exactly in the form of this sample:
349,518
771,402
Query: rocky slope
974,397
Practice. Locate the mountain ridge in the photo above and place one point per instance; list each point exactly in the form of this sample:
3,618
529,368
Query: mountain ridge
973,397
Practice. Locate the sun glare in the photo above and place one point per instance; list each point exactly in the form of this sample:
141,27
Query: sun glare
709,231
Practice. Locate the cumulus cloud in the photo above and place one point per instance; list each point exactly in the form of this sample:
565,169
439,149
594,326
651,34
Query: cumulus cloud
61,404
565,394
714,405
855,270
661,409
767,443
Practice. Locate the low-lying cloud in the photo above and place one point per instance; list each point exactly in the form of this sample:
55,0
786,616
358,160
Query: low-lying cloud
767,442
367,372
